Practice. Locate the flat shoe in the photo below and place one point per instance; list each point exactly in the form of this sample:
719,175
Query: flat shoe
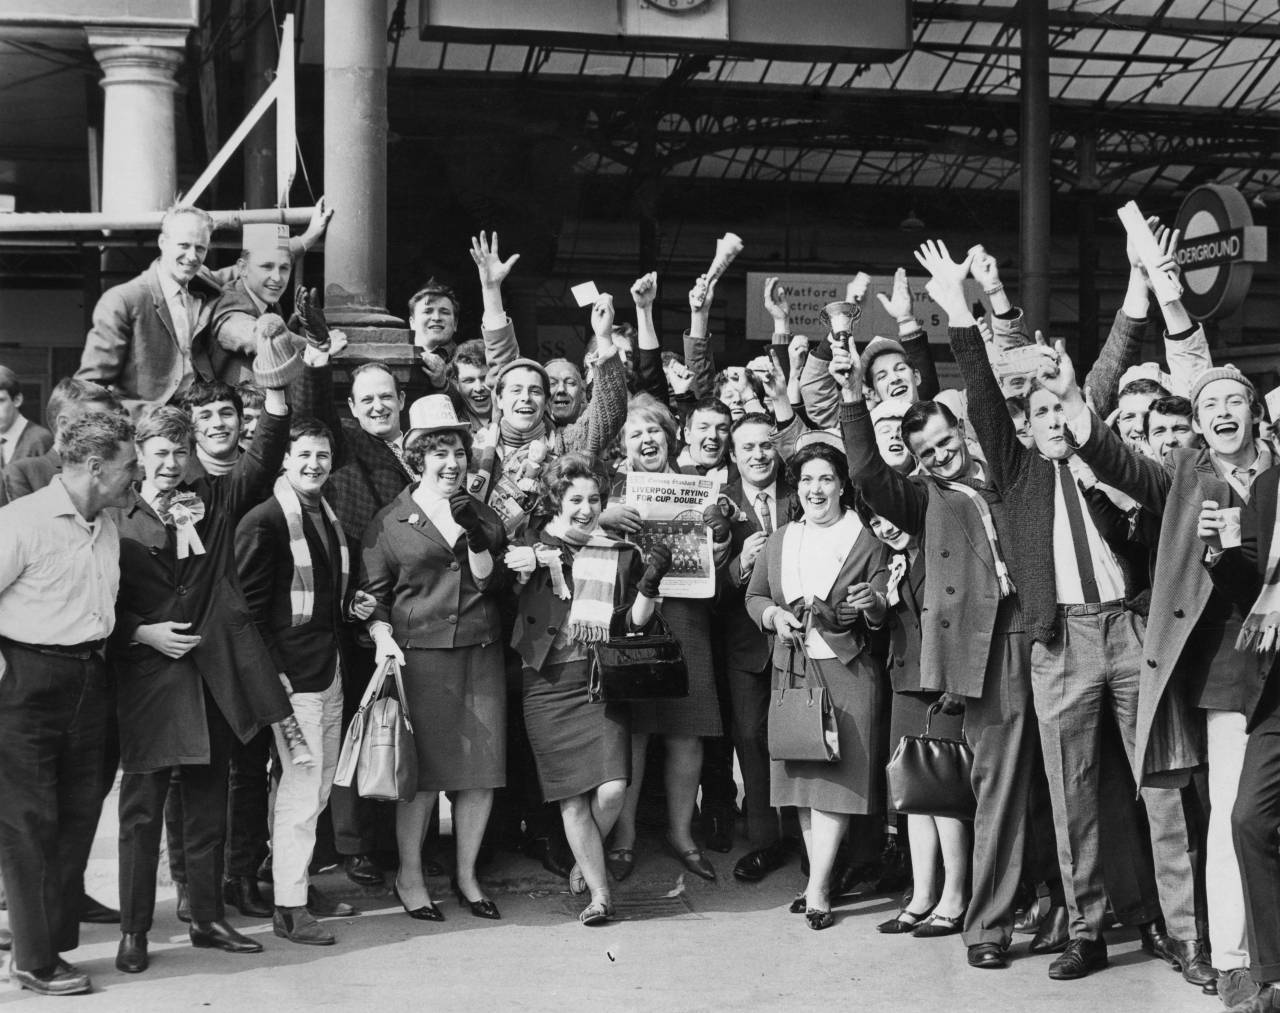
939,925
819,919
693,860
798,905
903,922
621,862
595,913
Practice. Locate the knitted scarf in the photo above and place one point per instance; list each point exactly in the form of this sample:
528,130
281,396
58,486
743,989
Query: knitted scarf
1003,578
1260,632
595,576
302,591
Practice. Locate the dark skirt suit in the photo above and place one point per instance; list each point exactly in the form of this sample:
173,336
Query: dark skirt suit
854,680
446,621
911,703
578,745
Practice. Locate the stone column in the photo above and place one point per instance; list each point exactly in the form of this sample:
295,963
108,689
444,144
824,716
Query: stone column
139,155
355,167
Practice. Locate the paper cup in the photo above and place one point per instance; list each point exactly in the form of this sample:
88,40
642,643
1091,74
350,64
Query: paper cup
1230,533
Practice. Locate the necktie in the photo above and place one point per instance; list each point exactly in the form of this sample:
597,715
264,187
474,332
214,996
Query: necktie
4,450
762,510
1079,534
399,452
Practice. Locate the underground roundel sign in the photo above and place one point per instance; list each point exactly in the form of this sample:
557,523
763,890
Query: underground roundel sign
1219,246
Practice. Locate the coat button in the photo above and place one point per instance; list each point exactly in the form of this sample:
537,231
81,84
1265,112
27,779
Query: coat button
1151,662
1178,614
450,619
532,620
901,663
945,624
454,565
553,630
181,590
951,590
154,550
945,553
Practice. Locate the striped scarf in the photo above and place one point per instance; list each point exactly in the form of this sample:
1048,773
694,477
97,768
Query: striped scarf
988,523
302,591
1260,631
595,576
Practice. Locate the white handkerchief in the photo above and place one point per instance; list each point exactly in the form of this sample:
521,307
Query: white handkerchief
586,293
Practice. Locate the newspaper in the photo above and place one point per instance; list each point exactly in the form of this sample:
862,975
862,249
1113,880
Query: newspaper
670,507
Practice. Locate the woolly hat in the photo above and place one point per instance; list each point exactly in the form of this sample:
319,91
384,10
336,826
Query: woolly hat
522,363
891,408
1227,372
877,347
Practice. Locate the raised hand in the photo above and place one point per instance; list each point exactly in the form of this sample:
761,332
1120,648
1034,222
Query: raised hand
856,290
898,304
1131,251
320,215
602,316
775,301
315,328
797,352
946,278
679,378
1057,373
700,295
985,271
492,269
465,510
644,290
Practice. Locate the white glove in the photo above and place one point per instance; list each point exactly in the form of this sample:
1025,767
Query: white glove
384,644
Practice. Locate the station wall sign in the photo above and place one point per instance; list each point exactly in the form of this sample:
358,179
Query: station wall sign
1219,246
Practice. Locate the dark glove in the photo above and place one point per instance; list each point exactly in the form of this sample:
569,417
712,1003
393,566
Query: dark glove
713,516
465,509
951,703
306,304
846,614
657,565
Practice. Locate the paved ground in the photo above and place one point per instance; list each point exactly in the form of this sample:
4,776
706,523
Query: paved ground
706,947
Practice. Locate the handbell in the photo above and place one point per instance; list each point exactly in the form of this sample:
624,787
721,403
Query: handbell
839,317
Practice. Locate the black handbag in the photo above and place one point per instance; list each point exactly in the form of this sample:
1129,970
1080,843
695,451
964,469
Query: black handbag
932,776
802,723
646,665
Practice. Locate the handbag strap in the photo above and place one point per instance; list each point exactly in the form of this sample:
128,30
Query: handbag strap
936,708
375,684
404,705
807,668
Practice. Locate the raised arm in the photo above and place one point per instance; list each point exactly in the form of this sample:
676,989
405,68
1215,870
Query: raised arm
650,376
697,343
500,346
607,410
912,336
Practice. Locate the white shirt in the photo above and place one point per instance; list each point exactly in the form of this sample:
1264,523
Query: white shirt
1066,571
752,495
436,507
59,573
184,308
9,440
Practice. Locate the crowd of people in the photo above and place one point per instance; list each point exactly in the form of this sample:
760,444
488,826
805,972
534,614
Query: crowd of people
207,561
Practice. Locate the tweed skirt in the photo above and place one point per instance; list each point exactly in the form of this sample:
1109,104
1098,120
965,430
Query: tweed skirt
457,701
697,714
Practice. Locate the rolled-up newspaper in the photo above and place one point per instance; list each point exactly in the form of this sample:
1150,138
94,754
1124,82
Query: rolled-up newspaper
728,246
1167,290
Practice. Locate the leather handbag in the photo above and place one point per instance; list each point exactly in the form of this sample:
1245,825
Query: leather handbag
802,722
647,665
930,776
379,756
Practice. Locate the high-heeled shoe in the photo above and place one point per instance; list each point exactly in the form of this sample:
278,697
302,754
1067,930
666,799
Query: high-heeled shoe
693,860
482,908
427,913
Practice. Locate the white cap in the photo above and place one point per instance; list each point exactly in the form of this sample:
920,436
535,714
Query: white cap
259,237
434,413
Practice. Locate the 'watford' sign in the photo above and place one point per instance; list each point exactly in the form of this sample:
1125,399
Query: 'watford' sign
1219,246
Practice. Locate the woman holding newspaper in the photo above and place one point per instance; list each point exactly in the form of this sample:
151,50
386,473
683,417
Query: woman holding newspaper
820,591
431,562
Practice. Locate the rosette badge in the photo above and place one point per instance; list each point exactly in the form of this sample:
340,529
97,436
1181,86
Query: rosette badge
185,512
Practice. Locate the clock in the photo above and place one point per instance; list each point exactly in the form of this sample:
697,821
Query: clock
675,6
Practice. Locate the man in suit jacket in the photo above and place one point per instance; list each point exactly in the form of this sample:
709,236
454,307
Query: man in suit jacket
973,643
150,335
1087,641
1195,686
295,567
764,502
193,674
19,437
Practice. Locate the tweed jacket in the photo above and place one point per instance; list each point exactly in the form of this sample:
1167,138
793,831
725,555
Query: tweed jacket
132,347
366,475
161,700
962,613
424,586
1170,737
1024,477
227,365
306,654
745,648
1239,574
33,444
866,561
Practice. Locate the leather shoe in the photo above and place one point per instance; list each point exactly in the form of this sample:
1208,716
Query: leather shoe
988,956
1266,1000
553,853
6,939
60,979
482,908
1156,943
939,925
297,925
183,906
362,870
323,906
693,860
621,862
242,893
1188,956
1082,957
131,957
1236,986
755,865
1051,936
94,912
221,936
717,832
